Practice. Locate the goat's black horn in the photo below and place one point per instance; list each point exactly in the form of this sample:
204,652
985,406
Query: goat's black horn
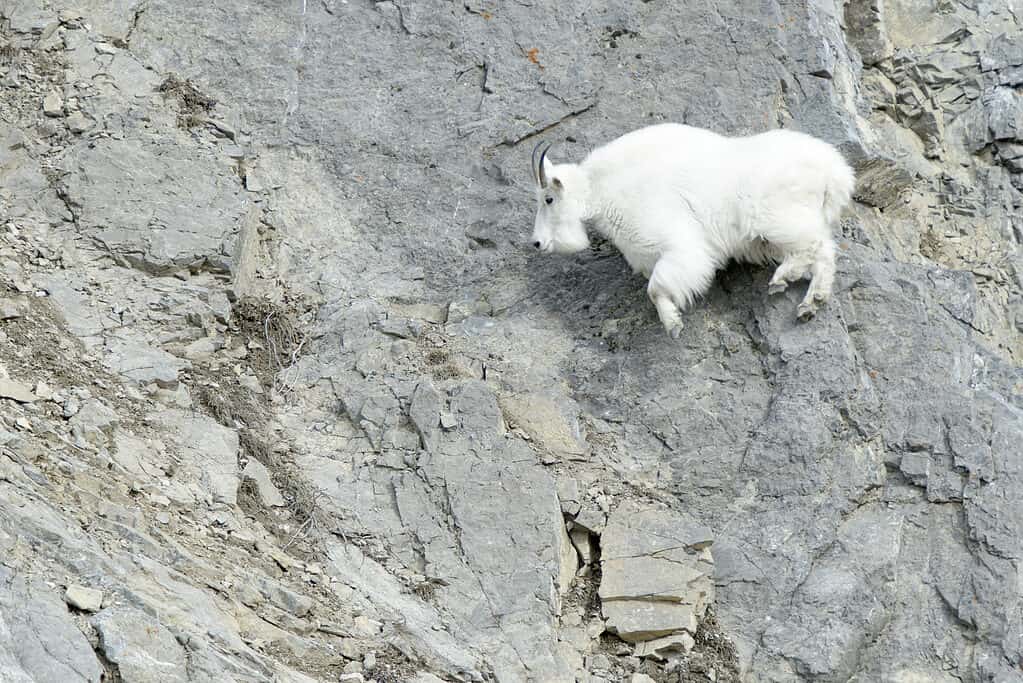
536,152
541,174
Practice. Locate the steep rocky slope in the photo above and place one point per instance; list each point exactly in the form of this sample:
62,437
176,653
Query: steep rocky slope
284,396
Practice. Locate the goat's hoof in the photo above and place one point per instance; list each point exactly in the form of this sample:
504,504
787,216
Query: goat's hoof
777,287
806,311
675,330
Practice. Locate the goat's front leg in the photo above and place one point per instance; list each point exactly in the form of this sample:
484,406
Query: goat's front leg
675,283
669,314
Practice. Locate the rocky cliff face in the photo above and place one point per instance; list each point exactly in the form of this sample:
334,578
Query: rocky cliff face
284,396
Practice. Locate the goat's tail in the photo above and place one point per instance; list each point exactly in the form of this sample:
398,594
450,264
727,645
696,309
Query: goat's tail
838,189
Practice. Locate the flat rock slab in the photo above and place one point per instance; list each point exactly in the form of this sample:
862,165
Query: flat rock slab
143,364
157,207
16,391
14,307
85,599
637,620
670,579
633,531
208,454
143,650
545,423
38,639
657,574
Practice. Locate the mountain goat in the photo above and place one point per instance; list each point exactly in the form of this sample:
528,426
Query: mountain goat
679,202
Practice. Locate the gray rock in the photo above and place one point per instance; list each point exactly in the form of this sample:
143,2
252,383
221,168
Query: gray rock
85,599
636,621
38,639
657,574
13,308
143,364
141,648
79,123
208,455
268,493
865,524
425,413
431,313
640,678
568,495
666,647
546,424
143,218
568,562
53,104
16,391
583,542
591,520
1005,114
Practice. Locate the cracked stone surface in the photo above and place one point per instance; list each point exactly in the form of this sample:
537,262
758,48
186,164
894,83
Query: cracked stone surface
288,388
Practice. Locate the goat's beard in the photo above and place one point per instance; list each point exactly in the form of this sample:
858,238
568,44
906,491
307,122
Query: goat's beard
573,241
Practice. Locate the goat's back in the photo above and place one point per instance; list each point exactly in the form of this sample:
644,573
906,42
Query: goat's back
766,162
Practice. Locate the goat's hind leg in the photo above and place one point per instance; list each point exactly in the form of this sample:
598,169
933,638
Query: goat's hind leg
822,273
794,267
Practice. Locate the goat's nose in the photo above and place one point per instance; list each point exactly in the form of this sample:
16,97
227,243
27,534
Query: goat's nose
537,244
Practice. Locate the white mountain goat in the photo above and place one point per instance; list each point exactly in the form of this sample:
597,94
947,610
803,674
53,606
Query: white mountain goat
679,202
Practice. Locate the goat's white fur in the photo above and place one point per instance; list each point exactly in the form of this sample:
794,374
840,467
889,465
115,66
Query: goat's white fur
679,202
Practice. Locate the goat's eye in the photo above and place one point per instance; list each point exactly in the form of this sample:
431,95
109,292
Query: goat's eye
549,200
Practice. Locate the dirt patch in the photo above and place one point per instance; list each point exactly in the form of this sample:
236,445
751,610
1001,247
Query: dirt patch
393,666
35,348
271,334
713,658
272,331
7,53
193,105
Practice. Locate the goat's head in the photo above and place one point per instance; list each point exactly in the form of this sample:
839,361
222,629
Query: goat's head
561,195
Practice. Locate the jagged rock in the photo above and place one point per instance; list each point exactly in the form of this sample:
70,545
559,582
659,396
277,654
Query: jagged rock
425,413
568,495
591,520
866,29
94,416
880,181
182,211
1004,109
636,621
568,562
